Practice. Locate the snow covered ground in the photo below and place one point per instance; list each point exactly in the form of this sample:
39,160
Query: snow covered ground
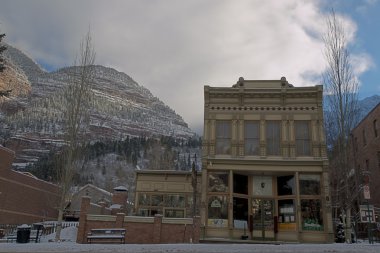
68,245
71,247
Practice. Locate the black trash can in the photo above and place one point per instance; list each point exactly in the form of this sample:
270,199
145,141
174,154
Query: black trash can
23,233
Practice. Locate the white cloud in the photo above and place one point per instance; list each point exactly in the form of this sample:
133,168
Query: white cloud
363,6
174,48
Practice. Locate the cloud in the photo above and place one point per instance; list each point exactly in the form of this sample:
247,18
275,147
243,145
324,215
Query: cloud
365,5
174,48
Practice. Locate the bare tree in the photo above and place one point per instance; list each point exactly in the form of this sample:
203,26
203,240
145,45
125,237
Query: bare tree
2,49
341,87
77,95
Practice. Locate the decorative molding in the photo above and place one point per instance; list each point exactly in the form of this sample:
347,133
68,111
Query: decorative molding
262,108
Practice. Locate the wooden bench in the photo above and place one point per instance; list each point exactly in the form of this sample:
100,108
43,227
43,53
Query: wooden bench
106,235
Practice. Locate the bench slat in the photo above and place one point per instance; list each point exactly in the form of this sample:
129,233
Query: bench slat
106,234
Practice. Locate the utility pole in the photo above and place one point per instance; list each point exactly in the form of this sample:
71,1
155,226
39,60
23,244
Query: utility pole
194,182
367,197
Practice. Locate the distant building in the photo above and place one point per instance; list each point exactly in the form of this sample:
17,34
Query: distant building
264,164
23,197
102,201
165,192
366,155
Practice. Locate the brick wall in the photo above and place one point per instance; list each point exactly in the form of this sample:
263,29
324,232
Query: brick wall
367,150
24,198
143,230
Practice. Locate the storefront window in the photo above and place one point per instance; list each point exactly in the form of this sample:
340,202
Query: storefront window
310,184
174,213
218,182
143,212
312,219
217,211
286,185
175,201
144,199
240,213
286,214
157,200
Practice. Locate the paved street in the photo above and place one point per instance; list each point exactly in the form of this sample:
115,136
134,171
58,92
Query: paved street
187,248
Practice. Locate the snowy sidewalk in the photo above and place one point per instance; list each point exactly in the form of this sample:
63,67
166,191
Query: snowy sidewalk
71,247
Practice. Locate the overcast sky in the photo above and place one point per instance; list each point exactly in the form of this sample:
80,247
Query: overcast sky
175,47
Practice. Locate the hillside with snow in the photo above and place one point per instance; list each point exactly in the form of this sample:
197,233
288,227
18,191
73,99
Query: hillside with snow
120,107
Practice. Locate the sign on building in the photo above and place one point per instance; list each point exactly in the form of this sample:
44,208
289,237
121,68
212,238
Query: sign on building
366,192
366,212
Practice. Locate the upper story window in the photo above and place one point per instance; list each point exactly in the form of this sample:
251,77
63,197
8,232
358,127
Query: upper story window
375,127
302,134
223,137
273,134
252,137
364,138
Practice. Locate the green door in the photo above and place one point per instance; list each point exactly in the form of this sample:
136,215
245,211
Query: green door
262,222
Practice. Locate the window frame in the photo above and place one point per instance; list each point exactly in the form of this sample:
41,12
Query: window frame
375,128
248,139
272,143
223,137
302,140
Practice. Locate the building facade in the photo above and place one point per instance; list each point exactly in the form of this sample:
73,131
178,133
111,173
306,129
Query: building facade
167,193
366,155
23,197
264,164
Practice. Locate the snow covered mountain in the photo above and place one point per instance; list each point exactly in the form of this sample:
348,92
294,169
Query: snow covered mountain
120,107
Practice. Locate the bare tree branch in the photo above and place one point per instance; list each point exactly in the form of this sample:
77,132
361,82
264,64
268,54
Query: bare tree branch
76,111
341,87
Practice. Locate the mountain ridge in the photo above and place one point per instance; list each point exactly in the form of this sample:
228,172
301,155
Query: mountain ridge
120,107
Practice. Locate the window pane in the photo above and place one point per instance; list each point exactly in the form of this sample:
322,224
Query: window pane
310,184
273,137
252,138
262,186
240,184
240,213
218,182
312,218
223,137
286,214
302,133
143,212
286,185
174,213
157,200
175,201
375,127
217,211
144,199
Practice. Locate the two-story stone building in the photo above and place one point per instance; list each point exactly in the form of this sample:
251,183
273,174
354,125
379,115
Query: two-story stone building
264,163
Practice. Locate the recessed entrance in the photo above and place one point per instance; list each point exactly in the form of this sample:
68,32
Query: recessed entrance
262,219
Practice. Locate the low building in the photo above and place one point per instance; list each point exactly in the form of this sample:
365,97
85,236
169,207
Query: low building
102,201
166,192
23,197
